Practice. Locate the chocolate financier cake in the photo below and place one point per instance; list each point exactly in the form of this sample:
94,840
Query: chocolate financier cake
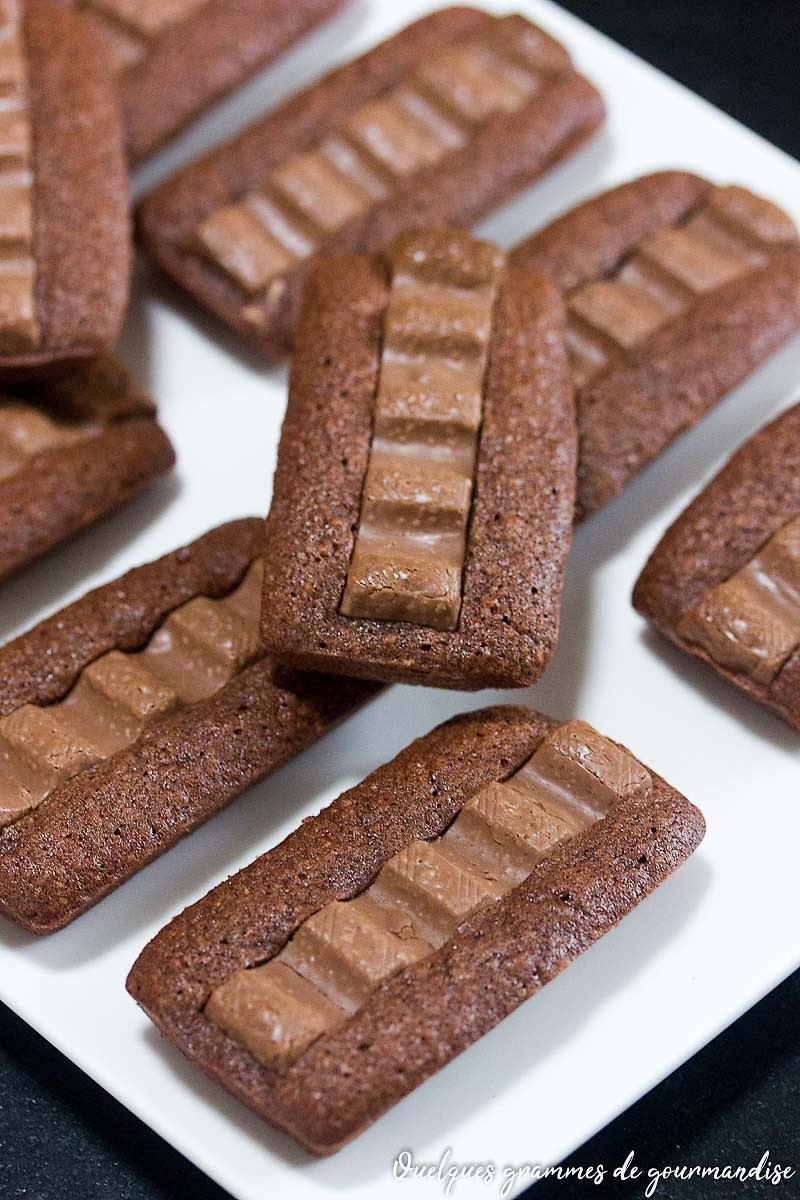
676,290
174,58
73,448
64,229
724,581
133,715
438,125
328,979
423,499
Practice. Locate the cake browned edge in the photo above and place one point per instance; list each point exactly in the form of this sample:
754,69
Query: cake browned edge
519,531
102,826
420,1019
199,60
82,240
63,491
510,152
634,410
749,500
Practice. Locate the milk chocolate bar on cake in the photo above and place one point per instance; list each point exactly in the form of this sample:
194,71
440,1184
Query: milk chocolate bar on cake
73,448
676,290
64,227
438,125
333,975
724,581
423,499
133,715
174,58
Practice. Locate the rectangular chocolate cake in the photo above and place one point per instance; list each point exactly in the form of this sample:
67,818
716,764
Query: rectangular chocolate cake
724,581
438,125
133,715
423,499
676,290
327,980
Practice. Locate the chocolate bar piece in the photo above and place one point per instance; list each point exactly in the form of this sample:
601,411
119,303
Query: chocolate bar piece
724,582
131,717
676,291
333,975
423,499
174,58
440,124
64,229
72,450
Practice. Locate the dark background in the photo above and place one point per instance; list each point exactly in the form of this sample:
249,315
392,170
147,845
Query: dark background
63,1138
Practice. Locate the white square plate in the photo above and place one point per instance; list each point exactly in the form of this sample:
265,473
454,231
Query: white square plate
709,944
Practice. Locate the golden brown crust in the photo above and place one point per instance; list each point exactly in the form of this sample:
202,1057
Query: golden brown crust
519,533
421,1018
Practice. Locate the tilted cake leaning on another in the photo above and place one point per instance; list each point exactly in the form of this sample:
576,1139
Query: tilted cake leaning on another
676,291
327,980
423,499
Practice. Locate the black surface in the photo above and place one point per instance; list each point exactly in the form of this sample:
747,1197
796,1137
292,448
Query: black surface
62,1137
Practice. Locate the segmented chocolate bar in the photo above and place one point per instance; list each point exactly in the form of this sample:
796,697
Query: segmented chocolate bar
408,557
332,976
175,58
72,450
414,125
424,492
199,648
724,582
134,715
64,229
686,289
412,133
340,955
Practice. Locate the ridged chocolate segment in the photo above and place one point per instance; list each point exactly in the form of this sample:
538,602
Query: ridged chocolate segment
348,947
436,110
750,624
127,26
19,330
408,557
199,648
731,233
298,1010
420,895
